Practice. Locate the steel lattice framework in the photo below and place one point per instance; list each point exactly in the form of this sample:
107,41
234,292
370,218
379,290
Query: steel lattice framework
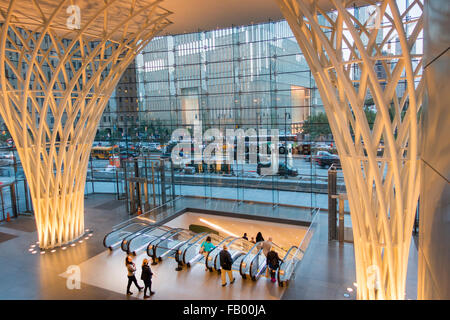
60,62
382,187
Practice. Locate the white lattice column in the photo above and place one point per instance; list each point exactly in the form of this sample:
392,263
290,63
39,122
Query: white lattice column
352,62
60,62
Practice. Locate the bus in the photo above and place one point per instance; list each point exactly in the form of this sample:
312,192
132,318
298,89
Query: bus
99,152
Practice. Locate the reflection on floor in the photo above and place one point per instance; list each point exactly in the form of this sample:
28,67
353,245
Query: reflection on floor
283,235
107,271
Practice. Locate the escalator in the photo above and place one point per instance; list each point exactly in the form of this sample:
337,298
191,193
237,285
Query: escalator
113,239
237,247
161,242
169,245
287,267
191,253
139,240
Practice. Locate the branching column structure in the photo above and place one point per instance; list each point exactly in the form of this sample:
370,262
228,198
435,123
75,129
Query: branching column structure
352,64
60,60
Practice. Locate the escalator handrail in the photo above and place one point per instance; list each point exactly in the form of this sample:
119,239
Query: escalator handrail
228,244
193,243
248,253
253,260
199,235
287,253
125,245
155,246
169,232
117,230
315,214
229,239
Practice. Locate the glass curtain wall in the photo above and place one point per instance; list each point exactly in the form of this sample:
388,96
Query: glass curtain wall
250,78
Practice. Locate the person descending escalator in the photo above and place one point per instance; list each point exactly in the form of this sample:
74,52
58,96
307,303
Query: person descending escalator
266,246
259,237
131,268
205,248
273,262
226,263
146,276
245,236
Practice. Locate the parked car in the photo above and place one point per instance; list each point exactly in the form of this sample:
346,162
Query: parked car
125,155
325,159
283,169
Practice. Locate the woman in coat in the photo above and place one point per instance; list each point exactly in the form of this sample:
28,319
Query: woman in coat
146,276
131,268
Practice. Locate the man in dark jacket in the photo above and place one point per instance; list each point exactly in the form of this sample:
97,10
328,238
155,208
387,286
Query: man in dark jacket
225,263
146,276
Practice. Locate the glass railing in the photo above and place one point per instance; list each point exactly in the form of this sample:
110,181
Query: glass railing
287,268
160,245
192,253
182,249
212,261
170,245
244,268
129,238
238,247
113,239
259,263
140,242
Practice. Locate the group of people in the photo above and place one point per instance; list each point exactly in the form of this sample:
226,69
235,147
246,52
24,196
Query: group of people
226,262
146,276
273,260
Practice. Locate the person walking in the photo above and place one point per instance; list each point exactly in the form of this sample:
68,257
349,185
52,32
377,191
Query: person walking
205,248
245,236
273,262
225,263
131,268
266,246
146,276
252,240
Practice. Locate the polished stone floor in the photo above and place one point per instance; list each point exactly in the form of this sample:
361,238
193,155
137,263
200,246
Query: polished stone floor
325,272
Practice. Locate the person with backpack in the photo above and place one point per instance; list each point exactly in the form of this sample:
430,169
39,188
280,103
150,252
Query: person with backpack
146,276
131,269
226,263
273,262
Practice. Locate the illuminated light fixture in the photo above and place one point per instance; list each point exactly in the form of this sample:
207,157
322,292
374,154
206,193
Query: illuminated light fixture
33,245
73,245
30,250
49,146
218,228
42,252
64,248
86,238
355,284
350,289
33,252
53,250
